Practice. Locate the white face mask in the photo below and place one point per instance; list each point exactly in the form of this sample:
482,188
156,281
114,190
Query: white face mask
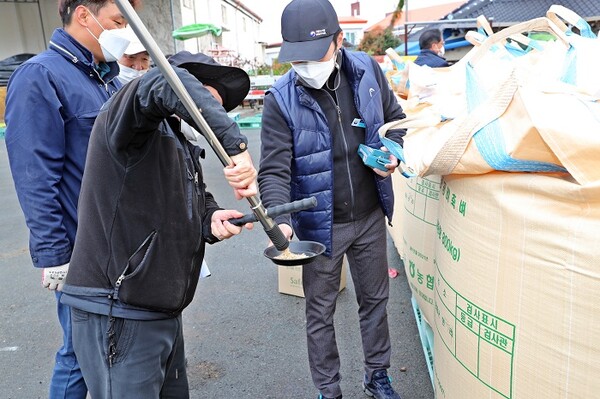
112,42
315,73
127,74
442,51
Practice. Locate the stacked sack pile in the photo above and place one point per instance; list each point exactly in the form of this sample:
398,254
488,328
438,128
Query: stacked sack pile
514,129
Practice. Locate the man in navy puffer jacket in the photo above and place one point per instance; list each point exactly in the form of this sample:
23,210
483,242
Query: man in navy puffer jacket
314,119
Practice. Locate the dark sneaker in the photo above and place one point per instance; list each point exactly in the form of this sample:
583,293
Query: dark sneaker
323,397
380,386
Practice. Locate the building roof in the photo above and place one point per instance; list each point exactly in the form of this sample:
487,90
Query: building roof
509,12
351,20
243,7
421,14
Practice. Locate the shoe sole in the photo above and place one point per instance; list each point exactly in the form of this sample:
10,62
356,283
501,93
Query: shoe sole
367,392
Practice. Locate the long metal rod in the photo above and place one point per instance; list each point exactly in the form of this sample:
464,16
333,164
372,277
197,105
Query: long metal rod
167,70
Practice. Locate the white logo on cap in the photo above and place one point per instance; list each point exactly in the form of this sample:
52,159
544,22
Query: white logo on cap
319,32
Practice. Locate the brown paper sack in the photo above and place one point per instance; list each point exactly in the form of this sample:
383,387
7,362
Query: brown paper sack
517,291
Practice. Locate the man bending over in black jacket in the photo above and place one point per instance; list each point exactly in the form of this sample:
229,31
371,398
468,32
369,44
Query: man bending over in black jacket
144,219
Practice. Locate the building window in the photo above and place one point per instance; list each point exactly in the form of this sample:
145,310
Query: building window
224,14
244,26
350,37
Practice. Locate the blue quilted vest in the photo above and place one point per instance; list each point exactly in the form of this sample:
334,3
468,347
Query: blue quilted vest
312,165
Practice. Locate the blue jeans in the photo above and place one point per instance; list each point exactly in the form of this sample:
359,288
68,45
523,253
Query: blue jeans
67,380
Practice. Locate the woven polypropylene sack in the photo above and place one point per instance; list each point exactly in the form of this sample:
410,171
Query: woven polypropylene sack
483,113
517,292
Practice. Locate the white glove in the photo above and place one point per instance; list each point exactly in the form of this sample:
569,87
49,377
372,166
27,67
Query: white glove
53,278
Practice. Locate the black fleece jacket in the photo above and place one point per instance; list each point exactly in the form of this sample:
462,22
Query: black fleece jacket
144,213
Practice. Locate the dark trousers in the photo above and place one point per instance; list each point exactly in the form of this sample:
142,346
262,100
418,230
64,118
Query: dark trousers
364,242
131,359
67,381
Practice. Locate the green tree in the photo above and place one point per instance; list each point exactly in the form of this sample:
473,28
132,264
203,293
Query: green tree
276,69
397,13
375,43
280,69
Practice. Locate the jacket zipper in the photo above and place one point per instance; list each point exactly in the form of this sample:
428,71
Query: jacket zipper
110,331
74,59
195,178
102,80
192,270
339,112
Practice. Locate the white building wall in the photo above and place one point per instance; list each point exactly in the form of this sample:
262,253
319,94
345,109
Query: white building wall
197,12
271,54
161,17
353,31
240,29
21,27
242,34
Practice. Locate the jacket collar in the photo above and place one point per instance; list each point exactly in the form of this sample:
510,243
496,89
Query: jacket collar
431,53
65,45
353,70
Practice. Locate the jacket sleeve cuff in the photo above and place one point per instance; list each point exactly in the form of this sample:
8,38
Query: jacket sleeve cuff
209,238
283,219
51,258
235,144
396,135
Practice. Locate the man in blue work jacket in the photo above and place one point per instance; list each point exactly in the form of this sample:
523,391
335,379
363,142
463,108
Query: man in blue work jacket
51,104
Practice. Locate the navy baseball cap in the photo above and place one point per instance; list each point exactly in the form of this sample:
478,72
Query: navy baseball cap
232,83
307,28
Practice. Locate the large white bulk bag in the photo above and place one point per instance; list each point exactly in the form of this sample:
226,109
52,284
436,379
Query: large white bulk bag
508,110
517,309
395,230
419,230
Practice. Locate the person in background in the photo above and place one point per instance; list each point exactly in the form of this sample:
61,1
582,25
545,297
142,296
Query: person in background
51,104
144,219
135,61
432,49
314,119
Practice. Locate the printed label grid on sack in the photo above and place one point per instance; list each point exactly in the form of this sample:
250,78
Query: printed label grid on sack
421,199
421,190
474,336
421,282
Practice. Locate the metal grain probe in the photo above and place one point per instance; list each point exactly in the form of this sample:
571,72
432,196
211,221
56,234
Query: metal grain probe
272,230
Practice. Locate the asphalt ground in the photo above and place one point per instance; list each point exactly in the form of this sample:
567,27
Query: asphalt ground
244,339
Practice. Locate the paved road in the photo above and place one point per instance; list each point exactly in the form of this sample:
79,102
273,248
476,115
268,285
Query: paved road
244,339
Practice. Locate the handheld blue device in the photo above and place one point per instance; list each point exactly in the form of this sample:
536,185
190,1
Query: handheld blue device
374,158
